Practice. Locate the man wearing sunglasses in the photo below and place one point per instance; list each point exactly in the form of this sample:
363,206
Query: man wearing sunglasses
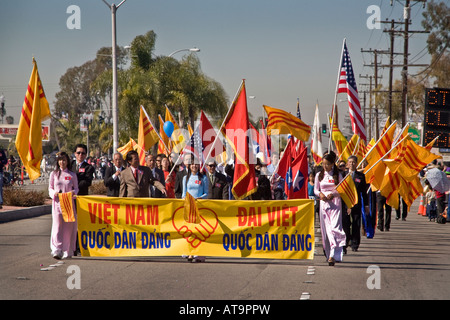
218,185
85,172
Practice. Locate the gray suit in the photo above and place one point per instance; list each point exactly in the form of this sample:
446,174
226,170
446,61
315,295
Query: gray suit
139,187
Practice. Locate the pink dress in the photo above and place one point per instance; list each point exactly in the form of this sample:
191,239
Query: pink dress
64,234
333,236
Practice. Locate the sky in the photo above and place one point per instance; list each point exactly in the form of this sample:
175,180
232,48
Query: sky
284,49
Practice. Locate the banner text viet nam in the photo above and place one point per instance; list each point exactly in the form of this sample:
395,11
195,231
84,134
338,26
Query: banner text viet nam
228,228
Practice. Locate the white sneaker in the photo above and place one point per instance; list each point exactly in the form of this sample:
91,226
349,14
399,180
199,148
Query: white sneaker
57,255
66,255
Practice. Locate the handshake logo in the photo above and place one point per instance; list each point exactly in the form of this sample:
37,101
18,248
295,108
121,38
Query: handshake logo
195,233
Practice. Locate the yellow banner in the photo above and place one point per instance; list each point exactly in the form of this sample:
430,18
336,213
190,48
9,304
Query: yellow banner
228,228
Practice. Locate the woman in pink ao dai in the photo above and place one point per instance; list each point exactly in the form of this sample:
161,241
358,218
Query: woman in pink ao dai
333,236
64,234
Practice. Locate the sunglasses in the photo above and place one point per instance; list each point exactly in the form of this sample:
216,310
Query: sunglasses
80,152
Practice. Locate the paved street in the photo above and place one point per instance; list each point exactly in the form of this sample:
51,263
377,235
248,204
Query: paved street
411,261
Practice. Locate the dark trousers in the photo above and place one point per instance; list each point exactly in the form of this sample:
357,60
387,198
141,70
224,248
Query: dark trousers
403,207
384,218
351,224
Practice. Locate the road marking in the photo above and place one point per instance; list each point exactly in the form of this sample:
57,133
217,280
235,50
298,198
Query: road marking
311,270
305,296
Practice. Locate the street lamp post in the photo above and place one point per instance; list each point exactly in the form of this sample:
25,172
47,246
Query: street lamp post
191,50
113,9
2,103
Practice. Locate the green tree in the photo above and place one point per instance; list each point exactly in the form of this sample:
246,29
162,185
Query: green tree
151,81
437,21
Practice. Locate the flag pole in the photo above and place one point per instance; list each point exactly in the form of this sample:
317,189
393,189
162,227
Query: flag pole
384,156
181,152
372,148
223,122
335,94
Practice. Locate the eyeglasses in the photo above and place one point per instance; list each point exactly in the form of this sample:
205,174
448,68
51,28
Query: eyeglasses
80,152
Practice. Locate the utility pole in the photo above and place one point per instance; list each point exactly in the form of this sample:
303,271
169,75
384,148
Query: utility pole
115,119
371,92
405,64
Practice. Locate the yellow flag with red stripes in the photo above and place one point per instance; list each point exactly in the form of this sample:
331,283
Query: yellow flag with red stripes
191,214
178,139
127,147
35,109
66,203
164,144
347,190
147,136
286,123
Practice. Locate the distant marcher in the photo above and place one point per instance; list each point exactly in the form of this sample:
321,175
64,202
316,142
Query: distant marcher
384,213
3,162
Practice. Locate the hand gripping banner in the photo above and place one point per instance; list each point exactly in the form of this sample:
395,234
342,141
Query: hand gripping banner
277,229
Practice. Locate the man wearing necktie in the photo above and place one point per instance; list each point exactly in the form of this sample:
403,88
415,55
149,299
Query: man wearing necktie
112,176
351,218
158,175
218,186
85,172
136,179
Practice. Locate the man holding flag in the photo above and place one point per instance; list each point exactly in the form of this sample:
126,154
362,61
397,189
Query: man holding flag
351,218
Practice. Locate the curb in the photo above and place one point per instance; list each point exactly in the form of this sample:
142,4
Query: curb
25,213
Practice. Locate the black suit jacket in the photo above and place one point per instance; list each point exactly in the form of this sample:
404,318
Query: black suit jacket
85,175
159,176
218,188
112,186
179,183
361,187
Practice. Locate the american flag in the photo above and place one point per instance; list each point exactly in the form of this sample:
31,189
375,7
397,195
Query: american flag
195,146
347,84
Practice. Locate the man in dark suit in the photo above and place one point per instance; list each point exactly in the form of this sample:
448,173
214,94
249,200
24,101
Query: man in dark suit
112,176
351,218
136,179
218,185
85,172
180,174
157,173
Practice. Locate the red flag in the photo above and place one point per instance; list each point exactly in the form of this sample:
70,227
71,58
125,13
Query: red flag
299,187
236,129
284,170
208,135
294,170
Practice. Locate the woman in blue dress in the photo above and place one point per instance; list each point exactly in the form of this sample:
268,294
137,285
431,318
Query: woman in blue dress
195,183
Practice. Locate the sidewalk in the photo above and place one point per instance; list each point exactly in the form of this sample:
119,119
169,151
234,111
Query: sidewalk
11,213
